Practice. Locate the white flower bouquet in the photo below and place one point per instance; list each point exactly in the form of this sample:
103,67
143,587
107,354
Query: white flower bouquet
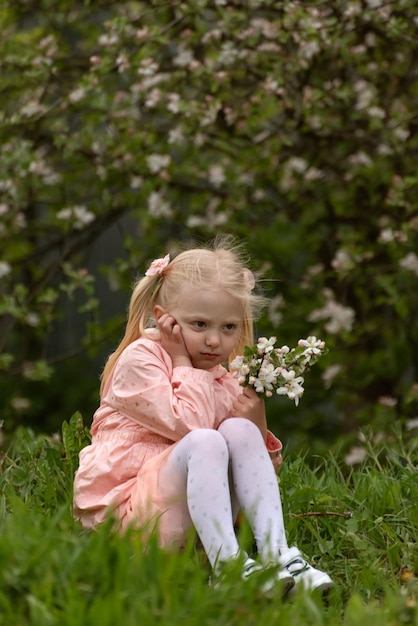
277,370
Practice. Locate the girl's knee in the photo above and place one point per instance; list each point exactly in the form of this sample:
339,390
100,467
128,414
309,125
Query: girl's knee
239,428
207,439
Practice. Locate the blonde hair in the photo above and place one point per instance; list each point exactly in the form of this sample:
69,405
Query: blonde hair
221,264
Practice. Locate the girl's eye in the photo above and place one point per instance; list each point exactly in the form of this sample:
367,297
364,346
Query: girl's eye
229,326
200,324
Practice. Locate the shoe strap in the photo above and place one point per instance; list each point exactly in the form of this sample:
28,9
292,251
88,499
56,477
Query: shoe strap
297,566
291,555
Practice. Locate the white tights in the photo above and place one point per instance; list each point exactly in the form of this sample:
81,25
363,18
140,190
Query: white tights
223,471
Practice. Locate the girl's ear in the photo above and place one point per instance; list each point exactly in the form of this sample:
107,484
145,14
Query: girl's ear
157,311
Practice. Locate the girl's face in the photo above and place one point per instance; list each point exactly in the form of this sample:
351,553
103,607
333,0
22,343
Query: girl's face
210,321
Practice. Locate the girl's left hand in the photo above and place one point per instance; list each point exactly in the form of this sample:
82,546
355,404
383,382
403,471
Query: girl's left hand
249,405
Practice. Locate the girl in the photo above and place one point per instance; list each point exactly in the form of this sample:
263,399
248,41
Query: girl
176,442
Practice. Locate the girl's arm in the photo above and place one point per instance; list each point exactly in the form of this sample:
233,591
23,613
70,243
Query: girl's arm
165,400
249,405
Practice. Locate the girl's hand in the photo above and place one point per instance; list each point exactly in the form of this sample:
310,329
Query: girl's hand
172,340
251,406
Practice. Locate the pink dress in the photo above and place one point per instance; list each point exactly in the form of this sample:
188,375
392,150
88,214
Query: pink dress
146,407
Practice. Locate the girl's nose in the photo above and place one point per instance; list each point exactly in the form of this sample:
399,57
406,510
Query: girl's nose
212,339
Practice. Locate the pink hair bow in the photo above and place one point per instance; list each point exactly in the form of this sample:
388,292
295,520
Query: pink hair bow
158,266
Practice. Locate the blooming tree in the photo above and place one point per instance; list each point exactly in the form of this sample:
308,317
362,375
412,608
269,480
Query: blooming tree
291,124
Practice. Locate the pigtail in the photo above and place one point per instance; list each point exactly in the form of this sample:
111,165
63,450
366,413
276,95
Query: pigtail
139,312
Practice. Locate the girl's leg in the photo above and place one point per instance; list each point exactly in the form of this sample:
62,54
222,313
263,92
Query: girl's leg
256,488
255,485
198,466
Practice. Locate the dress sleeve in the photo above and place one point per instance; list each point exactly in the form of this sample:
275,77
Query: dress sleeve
167,401
274,447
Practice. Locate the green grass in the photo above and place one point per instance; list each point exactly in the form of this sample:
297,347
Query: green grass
358,524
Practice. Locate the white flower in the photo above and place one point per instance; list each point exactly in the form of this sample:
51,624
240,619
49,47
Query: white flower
19,403
32,319
340,317
293,388
267,377
401,133
297,164
184,57
108,40
268,369
158,162
148,67
136,182
173,102
5,268
342,261
157,206
78,214
122,63
32,108
266,345
387,235
77,95
308,49
356,455
411,424
329,374
176,135
153,98
216,175
360,158
410,262
229,53
312,345
237,363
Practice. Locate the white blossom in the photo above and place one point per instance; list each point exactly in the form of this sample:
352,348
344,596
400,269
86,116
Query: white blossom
184,57
153,98
342,261
410,262
77,95
411,424
32,108
148,67
108,40
158,162
293,387
216,175
365,94
356,455
158,206
136,182
19,403
360,158
401,133
176,135
340,317
329,374
173,100
32,319
266,345
79,216
5,268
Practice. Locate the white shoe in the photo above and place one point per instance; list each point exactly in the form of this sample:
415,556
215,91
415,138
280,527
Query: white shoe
304,574
267,577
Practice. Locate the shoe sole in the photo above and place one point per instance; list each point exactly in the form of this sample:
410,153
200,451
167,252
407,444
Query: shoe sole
322,587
